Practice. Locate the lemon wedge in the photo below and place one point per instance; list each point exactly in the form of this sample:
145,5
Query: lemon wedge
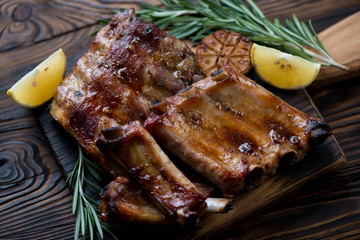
283,70
38,86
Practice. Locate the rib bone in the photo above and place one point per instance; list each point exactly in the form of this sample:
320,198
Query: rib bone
135,149
129,65
124,200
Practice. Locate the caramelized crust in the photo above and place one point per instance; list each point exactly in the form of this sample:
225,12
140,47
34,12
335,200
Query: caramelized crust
232,130
125,200
226,127
134,148
129,65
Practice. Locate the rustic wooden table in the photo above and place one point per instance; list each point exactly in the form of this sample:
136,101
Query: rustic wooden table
35,202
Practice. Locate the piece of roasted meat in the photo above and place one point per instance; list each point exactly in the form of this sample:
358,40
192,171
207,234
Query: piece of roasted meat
129,65
125,200
172,192
225,127
233,131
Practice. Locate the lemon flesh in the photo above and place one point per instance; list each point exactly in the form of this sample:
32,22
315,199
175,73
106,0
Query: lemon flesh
283,70
39,86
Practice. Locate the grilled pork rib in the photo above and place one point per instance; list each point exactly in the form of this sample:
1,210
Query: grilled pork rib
232,130
124,200
209,125
129,65
134,148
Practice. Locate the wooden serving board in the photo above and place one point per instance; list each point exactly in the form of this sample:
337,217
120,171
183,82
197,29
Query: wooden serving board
323,159
35,202
342,40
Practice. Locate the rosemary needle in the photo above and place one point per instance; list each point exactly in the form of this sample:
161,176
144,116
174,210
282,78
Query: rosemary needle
86,208
195,19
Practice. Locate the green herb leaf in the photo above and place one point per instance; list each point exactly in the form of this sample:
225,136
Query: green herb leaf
86,208
208,16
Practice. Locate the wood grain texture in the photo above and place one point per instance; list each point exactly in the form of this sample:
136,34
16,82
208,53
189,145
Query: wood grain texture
74,45
33,195
323,13
35,202
342,40
328,208
25,22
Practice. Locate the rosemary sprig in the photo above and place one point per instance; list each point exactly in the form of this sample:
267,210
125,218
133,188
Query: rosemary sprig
195,19
86,208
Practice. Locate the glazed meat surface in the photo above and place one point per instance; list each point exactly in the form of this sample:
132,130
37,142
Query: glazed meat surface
233,131
134,148
226,127
129,65
125,200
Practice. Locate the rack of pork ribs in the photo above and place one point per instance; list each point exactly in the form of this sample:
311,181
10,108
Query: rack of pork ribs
136,93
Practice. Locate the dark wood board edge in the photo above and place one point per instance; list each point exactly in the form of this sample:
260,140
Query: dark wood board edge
279,188
65,148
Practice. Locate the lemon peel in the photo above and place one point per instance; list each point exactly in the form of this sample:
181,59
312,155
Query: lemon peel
39,85
283,70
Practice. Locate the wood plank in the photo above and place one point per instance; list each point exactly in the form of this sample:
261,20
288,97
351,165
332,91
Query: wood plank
328,219
342,40
29,56
34,198
24,23
35,201
323,13
340,105
27,22
74,44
